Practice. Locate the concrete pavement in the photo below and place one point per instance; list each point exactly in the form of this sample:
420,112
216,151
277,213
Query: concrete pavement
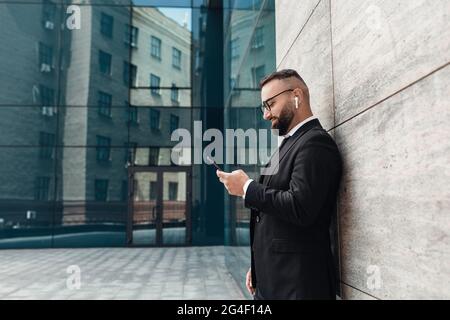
117,273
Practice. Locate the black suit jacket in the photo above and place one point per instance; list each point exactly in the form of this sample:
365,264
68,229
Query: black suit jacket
290,219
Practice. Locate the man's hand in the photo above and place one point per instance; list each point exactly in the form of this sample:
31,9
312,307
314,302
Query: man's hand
233,182
248,282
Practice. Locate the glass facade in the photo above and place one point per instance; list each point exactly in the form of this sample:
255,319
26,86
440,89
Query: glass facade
90,94
249,29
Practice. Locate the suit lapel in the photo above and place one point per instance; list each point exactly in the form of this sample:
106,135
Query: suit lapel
289,144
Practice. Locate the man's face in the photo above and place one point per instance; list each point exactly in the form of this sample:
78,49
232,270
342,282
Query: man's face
281,107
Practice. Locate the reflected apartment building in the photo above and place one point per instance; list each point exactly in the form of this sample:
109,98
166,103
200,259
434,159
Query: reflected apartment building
84,106
250,42
31,72
86,117
87,114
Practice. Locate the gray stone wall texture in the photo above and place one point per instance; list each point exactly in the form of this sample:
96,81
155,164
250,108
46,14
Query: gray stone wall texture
379,76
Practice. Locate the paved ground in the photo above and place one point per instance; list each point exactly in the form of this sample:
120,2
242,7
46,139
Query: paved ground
117,273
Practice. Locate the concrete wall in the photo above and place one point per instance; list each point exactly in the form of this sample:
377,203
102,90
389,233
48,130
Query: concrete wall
379,76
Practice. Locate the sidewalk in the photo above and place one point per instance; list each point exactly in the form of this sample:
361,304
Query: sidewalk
117,273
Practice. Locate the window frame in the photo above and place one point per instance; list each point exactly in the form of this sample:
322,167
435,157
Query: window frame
155,119
45,55
234,48
155,89
101,63
106,25
155,47
171,124
129,74
174,93
48,13
176,58
153,152
131,35
104,104
258,38
132,113
103,149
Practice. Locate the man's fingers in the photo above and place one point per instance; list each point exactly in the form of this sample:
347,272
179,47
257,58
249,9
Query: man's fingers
222,174
248,283
249,287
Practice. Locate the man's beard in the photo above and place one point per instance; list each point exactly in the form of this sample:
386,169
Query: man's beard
284,121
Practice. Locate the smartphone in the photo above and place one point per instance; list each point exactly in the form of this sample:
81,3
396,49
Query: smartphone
212,162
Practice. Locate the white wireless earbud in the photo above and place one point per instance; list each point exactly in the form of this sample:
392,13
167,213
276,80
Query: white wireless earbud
296,102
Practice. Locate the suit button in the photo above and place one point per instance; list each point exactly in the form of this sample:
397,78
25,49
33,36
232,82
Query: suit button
258,218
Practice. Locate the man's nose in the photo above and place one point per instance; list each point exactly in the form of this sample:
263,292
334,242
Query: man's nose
267,114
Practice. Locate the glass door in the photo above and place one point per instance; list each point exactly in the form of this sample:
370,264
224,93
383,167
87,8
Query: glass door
144,221
174,231
159,210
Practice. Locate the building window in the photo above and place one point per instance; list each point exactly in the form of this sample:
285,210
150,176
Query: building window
257,74
101,189
104,104
104,62
130,151
45,57
48,14
155,82
46,145
133,115
153,192
155,47
47,101
234,85
173,191
176,58
131,36
234,48
103,149
41,188
106,25
129,74
174,93
258,38
174,122
153,156
155,121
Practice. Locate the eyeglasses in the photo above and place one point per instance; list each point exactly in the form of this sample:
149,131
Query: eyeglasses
265,104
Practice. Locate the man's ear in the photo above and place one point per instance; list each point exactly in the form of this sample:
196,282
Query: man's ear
299,93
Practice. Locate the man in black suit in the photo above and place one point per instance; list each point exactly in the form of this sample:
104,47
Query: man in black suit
291,209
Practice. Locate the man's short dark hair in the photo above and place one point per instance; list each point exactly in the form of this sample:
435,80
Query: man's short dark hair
279,75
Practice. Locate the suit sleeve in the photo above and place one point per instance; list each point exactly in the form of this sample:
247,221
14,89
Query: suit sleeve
312,179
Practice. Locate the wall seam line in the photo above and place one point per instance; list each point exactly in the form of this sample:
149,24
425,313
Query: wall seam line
298,35
392,95
360,290
334,124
